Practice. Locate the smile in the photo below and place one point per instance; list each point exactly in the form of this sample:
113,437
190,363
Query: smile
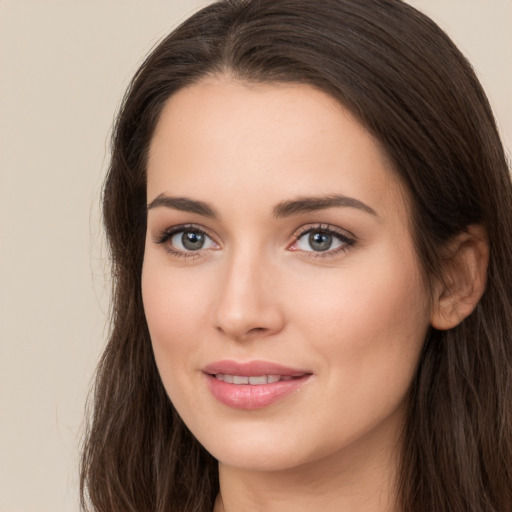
253,384
256,380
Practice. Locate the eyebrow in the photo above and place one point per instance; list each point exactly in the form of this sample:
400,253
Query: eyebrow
183,204
311,204
283,209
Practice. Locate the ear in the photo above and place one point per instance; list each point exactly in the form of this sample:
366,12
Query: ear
464,278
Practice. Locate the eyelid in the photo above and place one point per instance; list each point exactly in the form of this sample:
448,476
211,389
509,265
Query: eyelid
322,226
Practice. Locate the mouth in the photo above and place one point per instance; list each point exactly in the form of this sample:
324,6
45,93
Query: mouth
257,380
253,385
254,368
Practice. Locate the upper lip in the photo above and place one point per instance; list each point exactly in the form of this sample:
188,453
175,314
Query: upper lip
252,369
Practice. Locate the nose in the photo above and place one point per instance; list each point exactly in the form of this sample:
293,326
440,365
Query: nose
248,304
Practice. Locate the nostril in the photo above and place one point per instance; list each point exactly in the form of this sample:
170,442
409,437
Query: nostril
257,329
242,334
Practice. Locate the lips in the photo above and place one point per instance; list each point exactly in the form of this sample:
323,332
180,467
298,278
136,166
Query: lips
254,384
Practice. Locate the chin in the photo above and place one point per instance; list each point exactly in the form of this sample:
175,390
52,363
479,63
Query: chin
262,459
256,451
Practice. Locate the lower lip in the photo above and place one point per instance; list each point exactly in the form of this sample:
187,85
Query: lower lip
249,396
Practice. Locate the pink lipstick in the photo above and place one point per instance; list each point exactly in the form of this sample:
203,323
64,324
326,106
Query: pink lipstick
254,384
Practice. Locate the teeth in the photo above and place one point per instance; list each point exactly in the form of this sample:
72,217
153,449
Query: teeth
256,380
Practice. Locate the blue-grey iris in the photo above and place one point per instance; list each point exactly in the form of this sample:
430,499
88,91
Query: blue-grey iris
320,241
192,240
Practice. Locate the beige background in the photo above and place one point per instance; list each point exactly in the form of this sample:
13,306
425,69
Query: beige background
63,68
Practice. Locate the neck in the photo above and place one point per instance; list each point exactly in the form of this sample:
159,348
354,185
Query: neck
345,481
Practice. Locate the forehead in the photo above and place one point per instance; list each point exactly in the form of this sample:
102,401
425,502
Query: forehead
222,136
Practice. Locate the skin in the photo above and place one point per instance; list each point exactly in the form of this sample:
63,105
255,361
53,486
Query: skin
355,316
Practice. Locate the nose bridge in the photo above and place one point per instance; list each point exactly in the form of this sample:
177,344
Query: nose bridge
246,303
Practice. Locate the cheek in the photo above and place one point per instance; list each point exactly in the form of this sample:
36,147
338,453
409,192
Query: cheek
369,323
366,331
174,308
174,298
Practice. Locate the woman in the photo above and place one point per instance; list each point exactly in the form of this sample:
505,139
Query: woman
308,208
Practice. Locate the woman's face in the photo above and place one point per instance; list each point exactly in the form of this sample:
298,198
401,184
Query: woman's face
283,295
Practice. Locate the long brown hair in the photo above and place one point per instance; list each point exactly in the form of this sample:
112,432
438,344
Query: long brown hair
407,83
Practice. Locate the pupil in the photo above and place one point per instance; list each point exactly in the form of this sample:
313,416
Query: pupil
192,241
320,241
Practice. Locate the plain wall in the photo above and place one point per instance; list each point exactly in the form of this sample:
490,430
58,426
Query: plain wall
64,65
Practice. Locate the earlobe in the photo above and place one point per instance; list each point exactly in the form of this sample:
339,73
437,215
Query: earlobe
464,278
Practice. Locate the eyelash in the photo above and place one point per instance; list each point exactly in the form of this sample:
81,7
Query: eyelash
346,239
167,235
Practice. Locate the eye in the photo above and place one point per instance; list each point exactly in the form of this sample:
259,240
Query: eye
181,240
322,239
191,241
